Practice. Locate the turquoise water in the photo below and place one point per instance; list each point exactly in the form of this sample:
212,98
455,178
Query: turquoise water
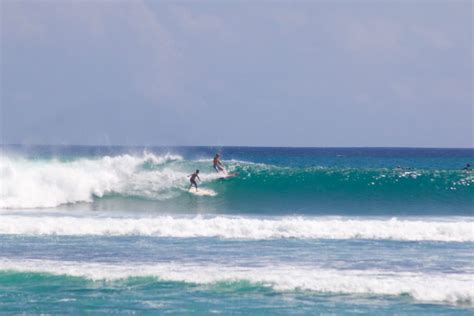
297,232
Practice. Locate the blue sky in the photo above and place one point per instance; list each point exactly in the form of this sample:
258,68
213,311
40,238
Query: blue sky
255,73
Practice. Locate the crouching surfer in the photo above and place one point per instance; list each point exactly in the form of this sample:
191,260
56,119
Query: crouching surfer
193,178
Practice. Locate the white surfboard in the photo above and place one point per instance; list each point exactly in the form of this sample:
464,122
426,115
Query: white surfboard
202,192
227,175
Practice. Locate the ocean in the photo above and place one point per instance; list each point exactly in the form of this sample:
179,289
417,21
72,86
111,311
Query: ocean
298,231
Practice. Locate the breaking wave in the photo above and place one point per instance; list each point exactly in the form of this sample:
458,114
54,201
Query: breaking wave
49,183
251,228
40,183
431,287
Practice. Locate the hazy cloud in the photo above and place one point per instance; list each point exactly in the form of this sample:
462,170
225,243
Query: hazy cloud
320,73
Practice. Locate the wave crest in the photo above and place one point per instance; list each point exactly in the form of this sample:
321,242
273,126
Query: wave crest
243,227
451,288
38,183
34,183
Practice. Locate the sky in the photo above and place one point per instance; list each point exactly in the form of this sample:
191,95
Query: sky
240,73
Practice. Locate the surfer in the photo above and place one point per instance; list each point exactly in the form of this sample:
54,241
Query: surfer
217,164
193,180
467,167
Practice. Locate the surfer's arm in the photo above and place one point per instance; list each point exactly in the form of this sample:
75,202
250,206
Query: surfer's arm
198,178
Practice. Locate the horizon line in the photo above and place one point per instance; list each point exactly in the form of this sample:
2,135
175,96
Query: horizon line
244,146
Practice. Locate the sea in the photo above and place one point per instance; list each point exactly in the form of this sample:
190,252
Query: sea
297,231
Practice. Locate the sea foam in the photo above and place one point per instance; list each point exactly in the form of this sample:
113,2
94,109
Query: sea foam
36,183
242,227
450,288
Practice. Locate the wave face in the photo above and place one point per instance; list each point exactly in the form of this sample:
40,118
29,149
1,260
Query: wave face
447,288
245,228
288,187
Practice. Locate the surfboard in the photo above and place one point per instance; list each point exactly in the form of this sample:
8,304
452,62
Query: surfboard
228,175
202,192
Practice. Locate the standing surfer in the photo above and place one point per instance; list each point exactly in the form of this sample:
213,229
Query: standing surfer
193,180
217,164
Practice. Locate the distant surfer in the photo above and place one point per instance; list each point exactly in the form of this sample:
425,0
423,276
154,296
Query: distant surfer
193,180
467,167
217,164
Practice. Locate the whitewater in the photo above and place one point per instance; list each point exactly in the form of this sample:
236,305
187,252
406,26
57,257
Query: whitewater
431,229
299,231
455,288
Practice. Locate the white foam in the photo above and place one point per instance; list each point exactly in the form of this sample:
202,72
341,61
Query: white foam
451,288
459,230
35,183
